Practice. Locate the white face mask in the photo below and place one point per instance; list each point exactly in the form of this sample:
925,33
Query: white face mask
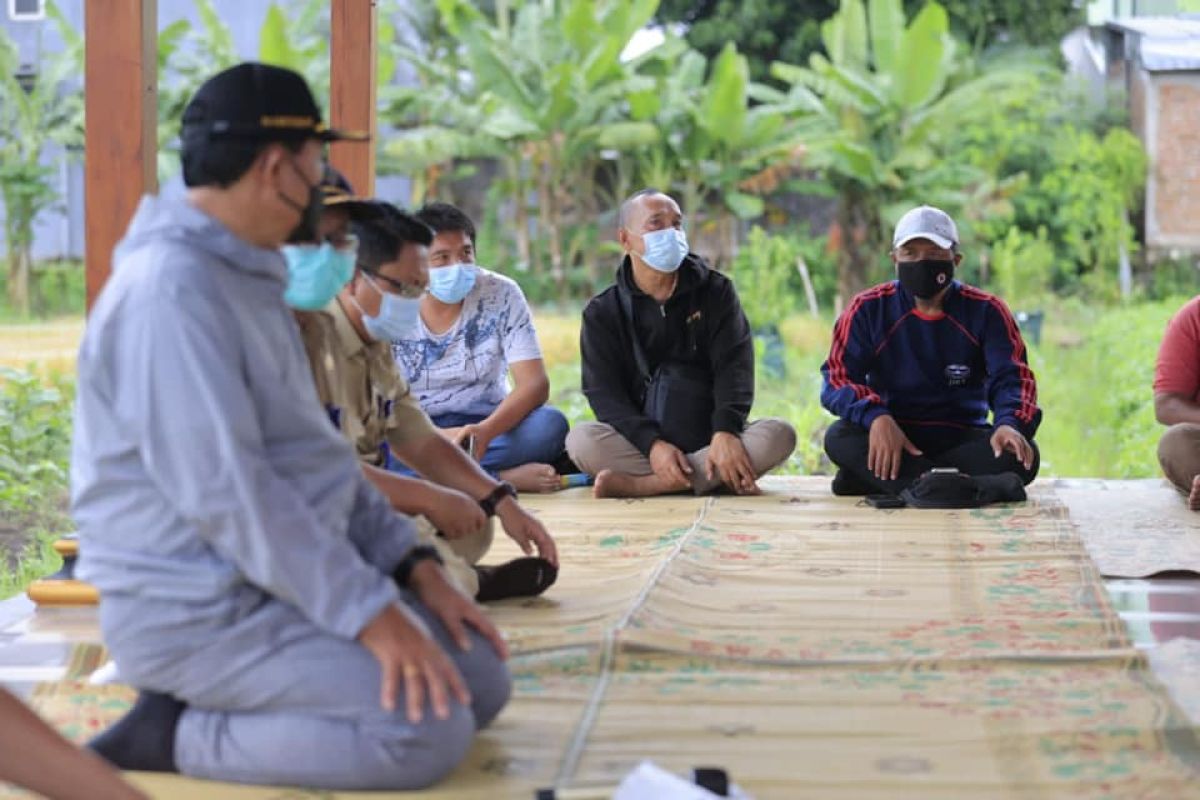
665,249
397,317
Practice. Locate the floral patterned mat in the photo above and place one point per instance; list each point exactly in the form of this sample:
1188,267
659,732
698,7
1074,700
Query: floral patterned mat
812,646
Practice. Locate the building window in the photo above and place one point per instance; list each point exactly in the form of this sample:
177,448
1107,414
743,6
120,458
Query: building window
26,10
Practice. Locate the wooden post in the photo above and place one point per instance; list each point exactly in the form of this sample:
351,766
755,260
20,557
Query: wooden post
352,55
121,140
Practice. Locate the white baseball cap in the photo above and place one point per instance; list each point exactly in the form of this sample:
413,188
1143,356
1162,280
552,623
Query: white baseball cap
926,222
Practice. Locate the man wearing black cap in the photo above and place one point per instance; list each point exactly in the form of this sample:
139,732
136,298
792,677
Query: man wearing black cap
278,617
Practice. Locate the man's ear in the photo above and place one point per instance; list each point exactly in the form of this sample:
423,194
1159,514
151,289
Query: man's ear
892,255
270,164
957,259
623,239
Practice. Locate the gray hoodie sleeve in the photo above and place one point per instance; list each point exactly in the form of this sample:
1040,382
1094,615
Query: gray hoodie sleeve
180,384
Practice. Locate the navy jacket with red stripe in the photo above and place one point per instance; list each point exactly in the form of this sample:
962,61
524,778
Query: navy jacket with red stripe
952,369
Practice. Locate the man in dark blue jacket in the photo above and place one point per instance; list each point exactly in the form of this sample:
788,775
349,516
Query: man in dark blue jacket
915,366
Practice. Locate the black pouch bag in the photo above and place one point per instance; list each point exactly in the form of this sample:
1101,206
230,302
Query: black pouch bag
954,489
679,397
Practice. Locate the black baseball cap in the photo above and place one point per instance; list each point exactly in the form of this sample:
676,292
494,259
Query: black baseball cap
336,192
259,102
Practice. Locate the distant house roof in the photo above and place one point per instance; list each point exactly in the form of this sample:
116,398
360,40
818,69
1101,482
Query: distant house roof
1164,44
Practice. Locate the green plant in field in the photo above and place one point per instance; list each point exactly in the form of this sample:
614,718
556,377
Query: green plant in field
763,273
35,436
1022,267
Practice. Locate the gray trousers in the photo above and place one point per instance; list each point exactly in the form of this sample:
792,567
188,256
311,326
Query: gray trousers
595,446
1179,455
274,700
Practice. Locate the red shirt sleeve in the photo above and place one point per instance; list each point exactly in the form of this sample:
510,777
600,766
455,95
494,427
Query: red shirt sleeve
1177,370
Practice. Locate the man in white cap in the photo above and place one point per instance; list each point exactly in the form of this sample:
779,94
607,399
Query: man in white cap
915,367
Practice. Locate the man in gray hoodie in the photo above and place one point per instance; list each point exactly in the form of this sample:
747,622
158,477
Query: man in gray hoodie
280,620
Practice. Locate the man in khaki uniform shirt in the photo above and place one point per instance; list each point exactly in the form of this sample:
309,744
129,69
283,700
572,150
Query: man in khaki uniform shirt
367,399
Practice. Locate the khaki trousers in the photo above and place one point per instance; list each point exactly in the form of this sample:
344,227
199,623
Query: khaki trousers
460,555
595,446
1179,455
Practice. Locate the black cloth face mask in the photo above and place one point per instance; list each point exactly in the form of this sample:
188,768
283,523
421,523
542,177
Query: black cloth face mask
310,214
927,277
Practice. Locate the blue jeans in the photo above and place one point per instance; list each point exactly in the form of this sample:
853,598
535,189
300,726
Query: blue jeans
540,438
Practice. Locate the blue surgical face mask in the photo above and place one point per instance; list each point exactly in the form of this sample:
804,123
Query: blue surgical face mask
452,284
316,273
397,318
665,249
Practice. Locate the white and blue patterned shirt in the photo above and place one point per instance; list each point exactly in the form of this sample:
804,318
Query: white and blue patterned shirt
465,369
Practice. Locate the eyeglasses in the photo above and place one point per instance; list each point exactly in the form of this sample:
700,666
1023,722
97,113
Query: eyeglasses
409,291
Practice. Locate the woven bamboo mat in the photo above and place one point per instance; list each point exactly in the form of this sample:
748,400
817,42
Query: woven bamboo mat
814,648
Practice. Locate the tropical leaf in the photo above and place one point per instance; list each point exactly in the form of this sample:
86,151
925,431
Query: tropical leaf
385,66
845,36
507,123
169,40
886,22
274,44
723,111
744,206
579,24
922,69
623,135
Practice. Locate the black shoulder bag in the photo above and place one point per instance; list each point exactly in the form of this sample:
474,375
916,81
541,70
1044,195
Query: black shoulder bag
679,397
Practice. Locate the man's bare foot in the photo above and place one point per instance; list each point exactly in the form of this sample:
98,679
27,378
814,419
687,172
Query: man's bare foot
1193,500
620,484
536,478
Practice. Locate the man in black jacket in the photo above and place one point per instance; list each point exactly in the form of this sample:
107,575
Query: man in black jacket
668,368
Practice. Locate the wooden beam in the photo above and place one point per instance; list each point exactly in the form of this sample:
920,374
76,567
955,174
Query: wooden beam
352,55
121,140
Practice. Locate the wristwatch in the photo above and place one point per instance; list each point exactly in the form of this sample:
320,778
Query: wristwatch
421,552
503,490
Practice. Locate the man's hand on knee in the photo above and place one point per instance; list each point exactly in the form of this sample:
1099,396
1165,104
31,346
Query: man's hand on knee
729,461
887,445
406,652
670,464
1007,438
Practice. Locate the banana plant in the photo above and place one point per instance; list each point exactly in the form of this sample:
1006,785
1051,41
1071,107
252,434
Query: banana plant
875,109
35,112
717,151
542,89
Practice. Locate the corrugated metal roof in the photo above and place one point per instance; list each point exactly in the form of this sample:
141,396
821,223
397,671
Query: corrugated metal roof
1179,55
1164,44
1182,26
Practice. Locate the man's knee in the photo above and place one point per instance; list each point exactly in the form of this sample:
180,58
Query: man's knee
843,442
1179,453
410,757
552,423
778,443
583,444
490,686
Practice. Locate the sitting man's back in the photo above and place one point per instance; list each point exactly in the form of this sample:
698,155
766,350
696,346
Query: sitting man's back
257,590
